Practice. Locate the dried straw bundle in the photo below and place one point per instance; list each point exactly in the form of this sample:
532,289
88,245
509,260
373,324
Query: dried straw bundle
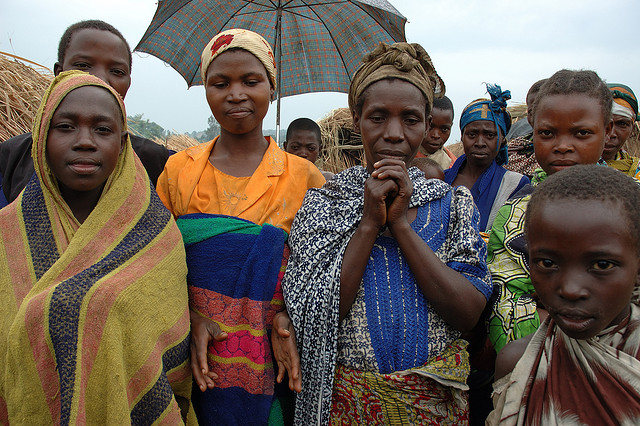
632,145
176,142
517,111
341,145
21,90
456,149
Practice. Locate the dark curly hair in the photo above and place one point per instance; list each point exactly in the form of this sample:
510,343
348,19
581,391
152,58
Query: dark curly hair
591,182
535,87
443,103
93,24
569,82
304,124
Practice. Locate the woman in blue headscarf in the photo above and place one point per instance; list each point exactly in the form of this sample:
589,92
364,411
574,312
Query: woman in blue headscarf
483,125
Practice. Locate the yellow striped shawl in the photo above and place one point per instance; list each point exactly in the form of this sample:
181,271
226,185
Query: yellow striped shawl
94,326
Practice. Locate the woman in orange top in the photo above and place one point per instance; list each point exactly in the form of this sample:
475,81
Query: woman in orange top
233,198
271,194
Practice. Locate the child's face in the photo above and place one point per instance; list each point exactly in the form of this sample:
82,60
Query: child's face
622,127
100,53
393,121
238,91
303,143
480,142
584,264
568,130
85,140
439,131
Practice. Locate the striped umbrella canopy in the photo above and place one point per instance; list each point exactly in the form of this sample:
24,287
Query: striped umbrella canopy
318,44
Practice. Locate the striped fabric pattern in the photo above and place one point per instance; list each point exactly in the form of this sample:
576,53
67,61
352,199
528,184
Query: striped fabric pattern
564,381
235,269
323,42
95,324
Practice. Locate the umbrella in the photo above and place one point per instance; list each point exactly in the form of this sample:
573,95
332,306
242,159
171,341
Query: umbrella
318,43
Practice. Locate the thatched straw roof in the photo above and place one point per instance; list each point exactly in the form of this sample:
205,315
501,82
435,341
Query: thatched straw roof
517,111
341,145
22,84
21,90
176,142
456,148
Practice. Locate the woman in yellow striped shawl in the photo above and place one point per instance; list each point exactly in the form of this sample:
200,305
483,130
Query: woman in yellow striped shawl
94,325
624,113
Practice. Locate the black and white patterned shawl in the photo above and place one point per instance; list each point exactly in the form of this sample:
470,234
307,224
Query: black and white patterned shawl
319,236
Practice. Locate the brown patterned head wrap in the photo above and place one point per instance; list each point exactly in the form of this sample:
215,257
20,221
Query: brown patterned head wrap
405,61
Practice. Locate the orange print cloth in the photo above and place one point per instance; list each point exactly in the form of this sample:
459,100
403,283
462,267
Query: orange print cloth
273,194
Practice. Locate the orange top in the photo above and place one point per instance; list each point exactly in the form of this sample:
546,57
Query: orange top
273,194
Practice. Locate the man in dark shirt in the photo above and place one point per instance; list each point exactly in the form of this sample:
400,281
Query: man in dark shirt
99,49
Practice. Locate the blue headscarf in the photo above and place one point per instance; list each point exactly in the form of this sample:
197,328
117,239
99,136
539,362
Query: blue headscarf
494,111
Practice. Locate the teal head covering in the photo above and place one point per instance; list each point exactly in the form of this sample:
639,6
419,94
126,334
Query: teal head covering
494,110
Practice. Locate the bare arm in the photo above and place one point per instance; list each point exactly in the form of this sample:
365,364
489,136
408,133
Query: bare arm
509,356
377,192
354,263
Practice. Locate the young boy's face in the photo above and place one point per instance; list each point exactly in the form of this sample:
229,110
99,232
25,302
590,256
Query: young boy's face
439,131
238,91
584,264
100,53
84,141
303,143
568,130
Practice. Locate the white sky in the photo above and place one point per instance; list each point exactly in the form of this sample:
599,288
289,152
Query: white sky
509,42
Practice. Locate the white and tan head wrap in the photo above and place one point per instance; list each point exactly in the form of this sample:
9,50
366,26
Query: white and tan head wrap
624,111
625,102
405,61
239,39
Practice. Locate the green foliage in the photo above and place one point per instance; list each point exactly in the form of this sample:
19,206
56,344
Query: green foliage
212,131
145,128
141,126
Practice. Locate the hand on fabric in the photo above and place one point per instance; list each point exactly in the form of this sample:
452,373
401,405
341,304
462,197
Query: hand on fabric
397,201
285,351
203,331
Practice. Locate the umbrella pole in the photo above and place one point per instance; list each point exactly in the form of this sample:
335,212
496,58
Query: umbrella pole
278,45
278,120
